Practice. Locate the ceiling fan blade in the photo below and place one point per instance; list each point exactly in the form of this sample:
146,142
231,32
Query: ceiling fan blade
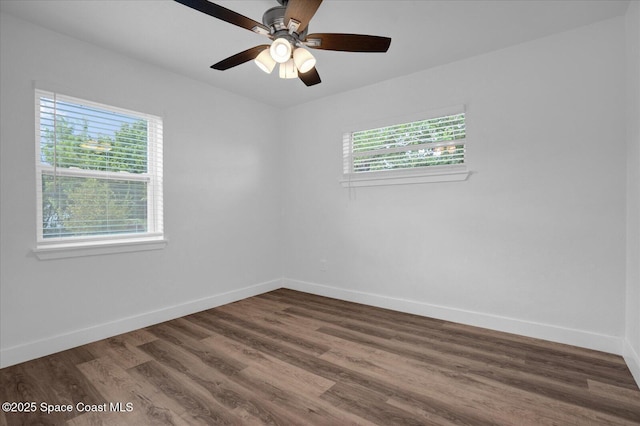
311,77
226,15
239,58
302,11
348,42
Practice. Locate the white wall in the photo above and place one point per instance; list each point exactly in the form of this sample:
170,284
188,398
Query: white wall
533,242
222,200
632,347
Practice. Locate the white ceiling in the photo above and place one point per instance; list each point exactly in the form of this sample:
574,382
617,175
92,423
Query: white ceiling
424,34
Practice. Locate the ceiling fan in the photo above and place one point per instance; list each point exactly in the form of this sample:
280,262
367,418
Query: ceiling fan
287,25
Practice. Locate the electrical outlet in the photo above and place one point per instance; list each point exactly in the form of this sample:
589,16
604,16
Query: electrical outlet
323,264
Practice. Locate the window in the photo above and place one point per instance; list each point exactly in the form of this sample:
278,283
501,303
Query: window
427,150
98,174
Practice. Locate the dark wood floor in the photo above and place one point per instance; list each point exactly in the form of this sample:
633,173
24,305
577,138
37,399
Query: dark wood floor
292,358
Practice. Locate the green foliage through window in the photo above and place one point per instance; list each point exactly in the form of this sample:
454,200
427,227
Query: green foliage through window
95,171
88,206
432,142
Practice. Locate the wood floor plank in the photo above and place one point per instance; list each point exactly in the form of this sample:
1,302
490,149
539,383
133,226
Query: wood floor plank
20,386
500,403
307,408
237,399
213,359
496,403
197,402
116,385
298,342
257,392
489,357
324,368
540,346
424,416
578,396
292,376
369,405
574,368
53,380
285,323
137,337
189,328
428,334
295,298
622,393
441,396
123,353
573,363
289,358
398,320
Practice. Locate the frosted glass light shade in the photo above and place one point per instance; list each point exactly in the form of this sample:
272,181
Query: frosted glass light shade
280,50
303,59
265,62
288,69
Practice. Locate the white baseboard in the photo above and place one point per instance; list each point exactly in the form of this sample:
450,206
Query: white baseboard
584,339
632,359
50,345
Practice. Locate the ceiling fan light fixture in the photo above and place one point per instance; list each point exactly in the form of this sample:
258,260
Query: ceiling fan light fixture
281,50
287,27
288,69
303,59
265,62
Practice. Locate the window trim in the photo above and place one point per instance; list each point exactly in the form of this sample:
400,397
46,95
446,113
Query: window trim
101,247
63,247
444,173
429,174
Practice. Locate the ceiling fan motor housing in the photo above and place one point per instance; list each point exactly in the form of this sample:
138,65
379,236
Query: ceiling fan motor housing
274,19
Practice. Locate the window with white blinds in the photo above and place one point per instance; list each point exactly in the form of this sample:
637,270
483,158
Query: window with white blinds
99,172
425,146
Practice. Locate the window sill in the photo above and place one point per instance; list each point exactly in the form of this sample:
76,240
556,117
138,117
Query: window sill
405,177
67,250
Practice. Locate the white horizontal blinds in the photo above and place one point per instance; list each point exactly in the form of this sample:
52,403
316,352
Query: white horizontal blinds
99,169
432,142
155,200
76,207
346,152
